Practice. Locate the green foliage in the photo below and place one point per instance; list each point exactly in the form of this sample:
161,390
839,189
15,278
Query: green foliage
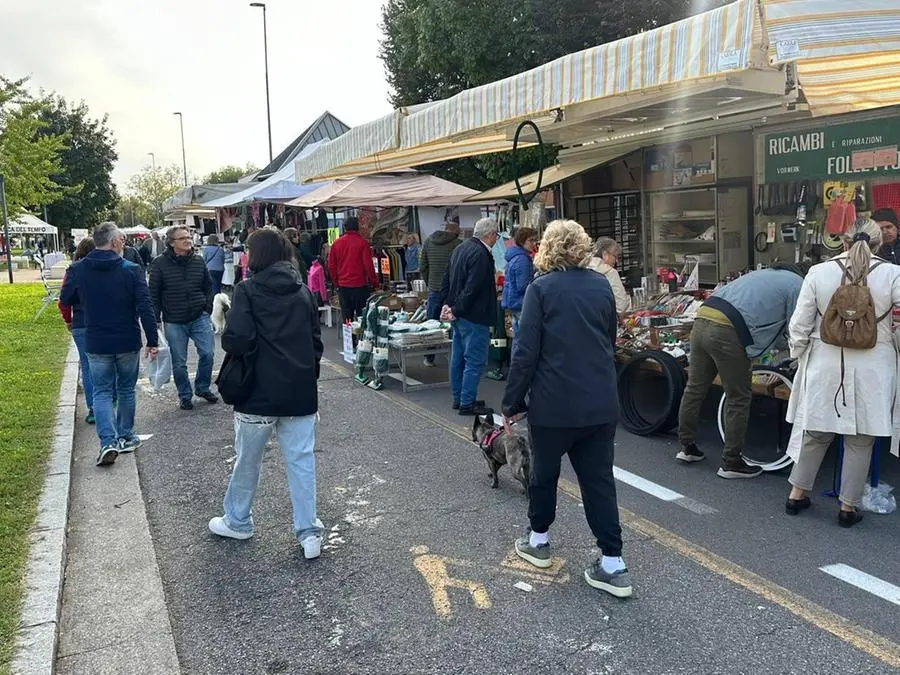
434,49
229,174
147,191
32,354
29,158
87,164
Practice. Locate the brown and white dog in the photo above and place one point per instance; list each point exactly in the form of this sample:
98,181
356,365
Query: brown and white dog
500,448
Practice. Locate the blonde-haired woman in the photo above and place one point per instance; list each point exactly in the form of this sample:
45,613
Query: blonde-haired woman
606,257
563,363
842,391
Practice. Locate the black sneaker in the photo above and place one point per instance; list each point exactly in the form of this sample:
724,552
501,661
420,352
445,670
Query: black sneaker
616,583
848,518
186,404
690,453
471,410
476,404
108,455
738,469
208,396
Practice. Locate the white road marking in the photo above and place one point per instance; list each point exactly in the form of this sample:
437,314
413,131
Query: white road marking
645,485
866,582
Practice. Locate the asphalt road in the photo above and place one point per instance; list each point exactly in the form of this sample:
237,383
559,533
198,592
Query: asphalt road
725,583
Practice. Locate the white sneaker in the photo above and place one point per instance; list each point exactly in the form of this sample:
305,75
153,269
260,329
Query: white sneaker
312,547
218,526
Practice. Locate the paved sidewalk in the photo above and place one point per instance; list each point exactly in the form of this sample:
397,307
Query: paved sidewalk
114,617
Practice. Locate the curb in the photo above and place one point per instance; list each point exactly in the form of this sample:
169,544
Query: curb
38,635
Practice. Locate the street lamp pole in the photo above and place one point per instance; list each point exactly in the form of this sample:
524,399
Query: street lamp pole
183,156
153,156
5,217
266,56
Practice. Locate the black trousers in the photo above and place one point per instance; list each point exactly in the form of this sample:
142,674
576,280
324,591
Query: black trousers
590,451
353,301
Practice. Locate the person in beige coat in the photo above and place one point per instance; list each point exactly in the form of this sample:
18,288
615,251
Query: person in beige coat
851,392
606,256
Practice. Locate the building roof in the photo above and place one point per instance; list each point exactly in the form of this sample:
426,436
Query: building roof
326,128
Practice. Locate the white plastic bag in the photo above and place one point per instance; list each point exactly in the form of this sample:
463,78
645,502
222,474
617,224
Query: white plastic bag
878,499
159,370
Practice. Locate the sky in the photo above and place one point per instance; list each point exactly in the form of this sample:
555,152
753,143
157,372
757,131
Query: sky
141,60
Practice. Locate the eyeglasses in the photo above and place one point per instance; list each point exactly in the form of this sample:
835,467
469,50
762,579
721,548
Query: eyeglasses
181,239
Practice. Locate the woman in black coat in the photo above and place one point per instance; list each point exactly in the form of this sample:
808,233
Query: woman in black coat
563,363
274,324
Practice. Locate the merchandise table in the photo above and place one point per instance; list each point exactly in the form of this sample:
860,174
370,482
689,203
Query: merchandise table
401,352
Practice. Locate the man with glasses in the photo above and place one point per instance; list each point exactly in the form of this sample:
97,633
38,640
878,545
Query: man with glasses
113,294
469,292
181,291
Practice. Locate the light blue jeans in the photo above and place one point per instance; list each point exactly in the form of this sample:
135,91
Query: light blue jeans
177,335
79,335
297,438
114,376
467,360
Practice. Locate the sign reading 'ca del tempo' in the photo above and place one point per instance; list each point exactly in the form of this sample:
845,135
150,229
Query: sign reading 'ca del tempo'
845,151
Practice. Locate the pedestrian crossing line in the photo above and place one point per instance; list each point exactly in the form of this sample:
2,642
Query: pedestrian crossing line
814,614
867,582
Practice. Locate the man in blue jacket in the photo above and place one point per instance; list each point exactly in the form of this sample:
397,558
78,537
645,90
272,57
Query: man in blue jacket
469,295
113,293
739,322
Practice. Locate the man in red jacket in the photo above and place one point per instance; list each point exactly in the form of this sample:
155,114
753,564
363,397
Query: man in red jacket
352,270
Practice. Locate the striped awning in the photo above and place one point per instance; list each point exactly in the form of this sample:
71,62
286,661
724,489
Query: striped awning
847,53
701,48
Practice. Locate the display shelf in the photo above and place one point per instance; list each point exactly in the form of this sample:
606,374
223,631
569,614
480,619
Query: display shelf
711,242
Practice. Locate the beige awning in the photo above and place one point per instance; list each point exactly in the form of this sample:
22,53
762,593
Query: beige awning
847,53
552,175
400,189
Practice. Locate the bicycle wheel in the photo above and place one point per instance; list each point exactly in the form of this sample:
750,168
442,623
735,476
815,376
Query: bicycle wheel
759,447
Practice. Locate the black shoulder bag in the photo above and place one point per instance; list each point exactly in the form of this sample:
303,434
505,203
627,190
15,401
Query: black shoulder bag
235,380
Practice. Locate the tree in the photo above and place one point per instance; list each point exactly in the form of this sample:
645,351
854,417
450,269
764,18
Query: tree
130,211
230,174
434,49
28,158
87,164
149,189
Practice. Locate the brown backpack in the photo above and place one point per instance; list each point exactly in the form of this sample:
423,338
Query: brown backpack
849,320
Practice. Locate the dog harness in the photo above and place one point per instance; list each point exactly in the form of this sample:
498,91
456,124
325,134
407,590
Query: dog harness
488,440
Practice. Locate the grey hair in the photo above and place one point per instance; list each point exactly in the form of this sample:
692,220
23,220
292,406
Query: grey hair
105,233
170,233
484,228
605,244
862,240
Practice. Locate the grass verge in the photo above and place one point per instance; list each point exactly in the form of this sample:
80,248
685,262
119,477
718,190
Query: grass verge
32,357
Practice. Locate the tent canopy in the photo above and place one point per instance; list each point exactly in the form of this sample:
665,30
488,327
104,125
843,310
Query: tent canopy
29,224
393,189
280,186
720,66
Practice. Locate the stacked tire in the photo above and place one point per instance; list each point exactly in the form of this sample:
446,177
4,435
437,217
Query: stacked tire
671,372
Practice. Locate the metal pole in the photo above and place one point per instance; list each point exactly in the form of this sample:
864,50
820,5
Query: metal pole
183,156
6,228
153,157
266,57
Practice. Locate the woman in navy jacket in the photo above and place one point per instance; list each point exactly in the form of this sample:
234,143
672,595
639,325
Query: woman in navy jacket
563,362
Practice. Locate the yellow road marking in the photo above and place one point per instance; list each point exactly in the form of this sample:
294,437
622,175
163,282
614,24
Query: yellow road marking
816,615
433,569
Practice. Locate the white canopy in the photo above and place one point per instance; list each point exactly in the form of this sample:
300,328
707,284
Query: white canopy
392,189
137,229
29,224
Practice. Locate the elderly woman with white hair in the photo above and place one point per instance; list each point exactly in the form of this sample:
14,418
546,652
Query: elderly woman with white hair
839,390
606,258
563,363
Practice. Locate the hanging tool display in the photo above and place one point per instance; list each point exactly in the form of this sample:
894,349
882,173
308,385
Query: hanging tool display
524,200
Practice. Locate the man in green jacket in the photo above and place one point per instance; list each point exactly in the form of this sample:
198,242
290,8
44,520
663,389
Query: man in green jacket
436,252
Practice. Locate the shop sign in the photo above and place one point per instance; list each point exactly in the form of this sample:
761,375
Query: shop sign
842,151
